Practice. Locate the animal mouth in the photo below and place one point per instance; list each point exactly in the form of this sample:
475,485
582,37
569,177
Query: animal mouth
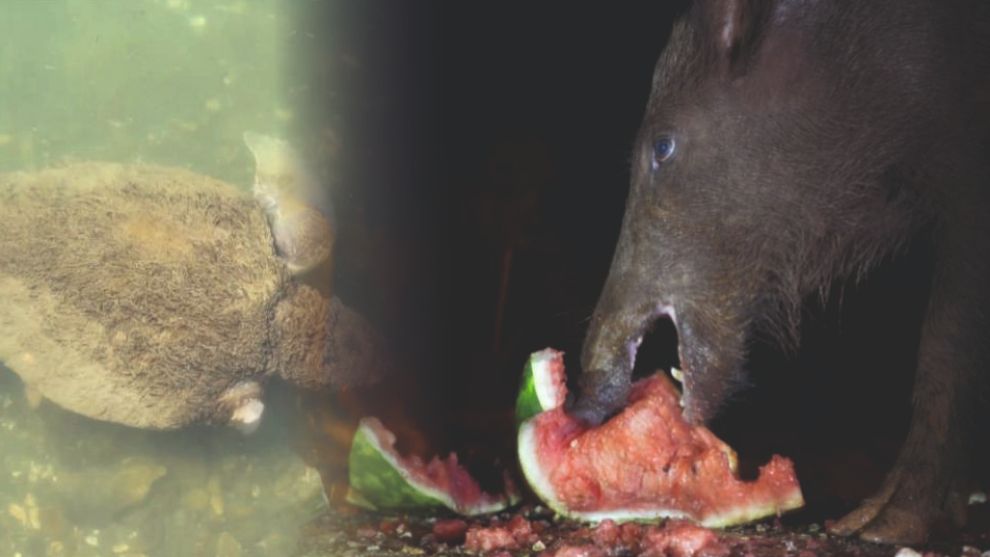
658,346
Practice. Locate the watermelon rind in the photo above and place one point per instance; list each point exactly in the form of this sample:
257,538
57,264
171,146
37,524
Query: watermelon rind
355,498
540,483
379,481
539,390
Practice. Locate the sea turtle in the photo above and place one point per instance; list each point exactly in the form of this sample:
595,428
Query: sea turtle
156,297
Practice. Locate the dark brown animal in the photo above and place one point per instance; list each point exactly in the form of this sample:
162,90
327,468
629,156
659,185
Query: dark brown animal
788,144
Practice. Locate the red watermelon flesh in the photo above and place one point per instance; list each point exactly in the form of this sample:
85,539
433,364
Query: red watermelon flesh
648,462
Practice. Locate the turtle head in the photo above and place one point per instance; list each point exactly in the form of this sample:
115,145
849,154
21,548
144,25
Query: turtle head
297,208
321,343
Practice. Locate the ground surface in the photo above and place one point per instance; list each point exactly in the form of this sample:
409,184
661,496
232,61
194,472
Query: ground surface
534,532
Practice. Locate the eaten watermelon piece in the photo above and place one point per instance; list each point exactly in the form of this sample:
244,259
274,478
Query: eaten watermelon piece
645,463
381,478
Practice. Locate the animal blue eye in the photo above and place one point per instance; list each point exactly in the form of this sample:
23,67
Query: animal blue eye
663,149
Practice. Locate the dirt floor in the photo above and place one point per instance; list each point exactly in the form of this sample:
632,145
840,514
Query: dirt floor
535,532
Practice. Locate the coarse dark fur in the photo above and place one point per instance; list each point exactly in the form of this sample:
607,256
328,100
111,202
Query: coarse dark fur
813,140
153,297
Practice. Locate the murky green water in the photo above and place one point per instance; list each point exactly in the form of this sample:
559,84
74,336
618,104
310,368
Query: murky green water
172,82
71,486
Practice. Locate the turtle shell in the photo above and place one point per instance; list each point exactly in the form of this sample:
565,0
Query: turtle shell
135,294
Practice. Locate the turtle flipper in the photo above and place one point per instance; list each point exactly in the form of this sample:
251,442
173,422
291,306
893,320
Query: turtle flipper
241,407
291,198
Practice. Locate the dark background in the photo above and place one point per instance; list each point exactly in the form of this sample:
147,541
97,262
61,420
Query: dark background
472,134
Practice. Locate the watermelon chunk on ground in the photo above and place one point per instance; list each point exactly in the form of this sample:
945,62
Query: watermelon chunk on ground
381,478
645,463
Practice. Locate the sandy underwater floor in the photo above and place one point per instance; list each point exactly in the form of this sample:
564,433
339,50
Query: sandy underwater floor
75,487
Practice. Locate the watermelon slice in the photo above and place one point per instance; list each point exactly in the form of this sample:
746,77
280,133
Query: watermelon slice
380,478
543,385
645,463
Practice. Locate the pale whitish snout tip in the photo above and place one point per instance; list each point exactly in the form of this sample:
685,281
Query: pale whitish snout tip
247,417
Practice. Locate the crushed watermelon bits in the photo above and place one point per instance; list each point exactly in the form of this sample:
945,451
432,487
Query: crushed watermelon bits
671,539
644,464
381,478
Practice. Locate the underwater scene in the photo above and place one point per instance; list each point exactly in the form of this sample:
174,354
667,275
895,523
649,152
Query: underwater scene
85,86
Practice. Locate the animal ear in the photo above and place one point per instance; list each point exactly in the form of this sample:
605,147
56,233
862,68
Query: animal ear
735,25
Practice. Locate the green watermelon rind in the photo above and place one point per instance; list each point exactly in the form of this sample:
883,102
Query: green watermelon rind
537,391
355,498
379,481
542,487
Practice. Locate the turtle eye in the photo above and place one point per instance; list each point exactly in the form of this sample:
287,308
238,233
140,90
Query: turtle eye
663,150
